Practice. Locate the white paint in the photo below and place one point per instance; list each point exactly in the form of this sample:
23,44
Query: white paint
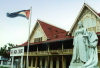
17,51
21,64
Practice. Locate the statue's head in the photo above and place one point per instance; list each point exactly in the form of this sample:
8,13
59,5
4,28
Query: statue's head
80,25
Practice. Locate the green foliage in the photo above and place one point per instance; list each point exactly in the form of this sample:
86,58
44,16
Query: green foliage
5,50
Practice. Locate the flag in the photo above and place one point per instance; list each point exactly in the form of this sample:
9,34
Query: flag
22,13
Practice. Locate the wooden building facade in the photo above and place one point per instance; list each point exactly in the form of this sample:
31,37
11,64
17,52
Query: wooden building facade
52,47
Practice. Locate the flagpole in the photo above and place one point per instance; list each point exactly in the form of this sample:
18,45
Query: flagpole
29,36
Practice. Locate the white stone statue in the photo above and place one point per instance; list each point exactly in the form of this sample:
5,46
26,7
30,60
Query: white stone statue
80,45
85,48
92,51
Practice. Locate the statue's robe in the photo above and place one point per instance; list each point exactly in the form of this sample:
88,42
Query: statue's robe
92,51
80,50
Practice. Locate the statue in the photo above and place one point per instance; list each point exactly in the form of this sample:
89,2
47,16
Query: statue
92,51
80,43
85,47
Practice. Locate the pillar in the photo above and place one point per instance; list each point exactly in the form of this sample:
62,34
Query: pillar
36,62
57,63
12,62
48,48
31,62
62,47
63,62
46,63
51,62
37,49
21,63
24,61
40,62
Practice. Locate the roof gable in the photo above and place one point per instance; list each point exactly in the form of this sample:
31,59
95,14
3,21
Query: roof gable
37,32
52,32
80,13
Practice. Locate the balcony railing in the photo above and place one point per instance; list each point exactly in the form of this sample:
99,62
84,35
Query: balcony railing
53,52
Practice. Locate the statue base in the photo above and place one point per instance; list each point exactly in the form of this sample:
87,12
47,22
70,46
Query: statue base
79,65
76,65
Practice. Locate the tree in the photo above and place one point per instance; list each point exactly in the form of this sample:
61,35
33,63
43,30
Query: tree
10,45
5,50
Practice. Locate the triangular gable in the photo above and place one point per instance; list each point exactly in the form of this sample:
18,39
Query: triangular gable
47,31
37,32
80,14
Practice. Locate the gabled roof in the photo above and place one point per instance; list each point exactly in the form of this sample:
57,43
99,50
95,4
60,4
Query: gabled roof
52,32
84,6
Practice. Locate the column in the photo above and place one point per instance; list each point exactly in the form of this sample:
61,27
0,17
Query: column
40,62
37,49
63,62
21,63
31,62
24,61
12,62
46,63
51,63
57,63
36,61
48,48
62,47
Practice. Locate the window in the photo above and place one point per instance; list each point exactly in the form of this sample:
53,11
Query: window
38,39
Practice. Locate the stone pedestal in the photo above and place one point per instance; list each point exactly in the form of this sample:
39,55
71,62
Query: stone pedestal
76,65
79,65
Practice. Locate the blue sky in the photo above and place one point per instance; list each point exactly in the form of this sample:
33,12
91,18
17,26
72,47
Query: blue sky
60,13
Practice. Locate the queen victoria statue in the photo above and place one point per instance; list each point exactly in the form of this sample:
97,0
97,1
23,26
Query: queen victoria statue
85,48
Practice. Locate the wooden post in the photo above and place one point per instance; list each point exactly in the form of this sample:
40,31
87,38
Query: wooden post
51,62
46,63
62,47
63,62
24,61
57,63
12,61
31,62
37,49
48,48
21,64
36,62
40,62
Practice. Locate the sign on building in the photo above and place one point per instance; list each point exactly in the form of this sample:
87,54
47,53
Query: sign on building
17,51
